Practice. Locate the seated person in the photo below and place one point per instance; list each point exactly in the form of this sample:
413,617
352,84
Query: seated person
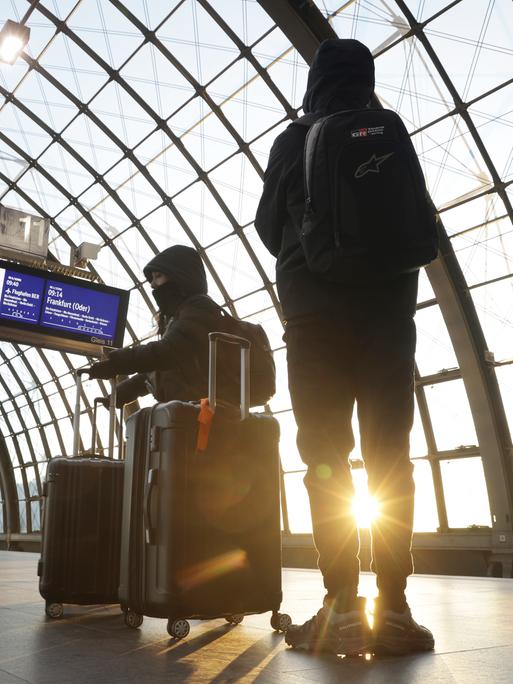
175,366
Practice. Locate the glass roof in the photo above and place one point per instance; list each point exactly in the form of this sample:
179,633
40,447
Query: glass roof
136,124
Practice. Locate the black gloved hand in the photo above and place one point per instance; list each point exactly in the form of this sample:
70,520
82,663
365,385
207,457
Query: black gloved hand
105,401
126,392
102,370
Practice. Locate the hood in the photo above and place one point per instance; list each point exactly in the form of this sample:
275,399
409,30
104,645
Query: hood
185,267
341,76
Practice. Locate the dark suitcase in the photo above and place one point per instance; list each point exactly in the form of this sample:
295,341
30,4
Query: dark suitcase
81,531
201,532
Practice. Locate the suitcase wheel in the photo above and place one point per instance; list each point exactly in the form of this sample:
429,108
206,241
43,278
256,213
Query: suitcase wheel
54,610
178,628
133,619
235,619
281,621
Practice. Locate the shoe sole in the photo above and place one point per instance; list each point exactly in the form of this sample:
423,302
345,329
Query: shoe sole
349,647
397,648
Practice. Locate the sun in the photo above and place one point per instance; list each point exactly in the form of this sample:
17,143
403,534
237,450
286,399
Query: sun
365,509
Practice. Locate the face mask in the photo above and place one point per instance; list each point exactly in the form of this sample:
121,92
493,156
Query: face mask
168,297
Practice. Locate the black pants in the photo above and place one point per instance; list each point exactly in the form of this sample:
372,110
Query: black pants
332,364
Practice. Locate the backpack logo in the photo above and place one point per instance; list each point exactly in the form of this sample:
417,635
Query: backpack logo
372,165
365,132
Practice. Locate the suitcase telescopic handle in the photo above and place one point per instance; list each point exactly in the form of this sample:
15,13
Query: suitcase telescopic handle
245,347
76,416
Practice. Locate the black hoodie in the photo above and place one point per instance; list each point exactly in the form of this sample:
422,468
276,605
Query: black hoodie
187,277
341,76
176,365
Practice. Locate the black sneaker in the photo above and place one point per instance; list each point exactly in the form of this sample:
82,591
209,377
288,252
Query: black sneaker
399,634
331,632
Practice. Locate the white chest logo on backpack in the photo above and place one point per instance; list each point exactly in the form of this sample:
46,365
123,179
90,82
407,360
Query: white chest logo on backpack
372,165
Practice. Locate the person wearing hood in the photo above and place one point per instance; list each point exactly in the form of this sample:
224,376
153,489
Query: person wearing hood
176,365
346,344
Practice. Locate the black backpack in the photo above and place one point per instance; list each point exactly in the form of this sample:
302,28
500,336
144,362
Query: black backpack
262,372
367,212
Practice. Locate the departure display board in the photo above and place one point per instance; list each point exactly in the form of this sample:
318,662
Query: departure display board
20,298
59,311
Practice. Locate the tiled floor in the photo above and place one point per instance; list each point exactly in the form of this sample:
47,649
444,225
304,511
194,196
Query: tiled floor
470,617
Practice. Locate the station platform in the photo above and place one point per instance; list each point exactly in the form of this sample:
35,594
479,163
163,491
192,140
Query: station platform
471,619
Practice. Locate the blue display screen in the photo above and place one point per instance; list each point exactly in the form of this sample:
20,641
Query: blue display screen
20,296
80,310
61,306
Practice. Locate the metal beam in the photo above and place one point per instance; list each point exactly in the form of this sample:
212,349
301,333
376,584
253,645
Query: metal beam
301,22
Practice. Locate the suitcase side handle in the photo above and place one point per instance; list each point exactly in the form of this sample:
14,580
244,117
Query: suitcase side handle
245,348
150,532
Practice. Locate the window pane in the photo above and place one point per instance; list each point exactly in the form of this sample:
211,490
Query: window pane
485,253
289,454
298,505
418,445
425,514
434,346
465,492
234,267
484,57
35,512
281,400
450,414
238,185
22,507
494,308
33,488
216,52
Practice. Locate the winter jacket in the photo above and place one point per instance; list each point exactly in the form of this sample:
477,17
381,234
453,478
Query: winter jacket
176,365
341,77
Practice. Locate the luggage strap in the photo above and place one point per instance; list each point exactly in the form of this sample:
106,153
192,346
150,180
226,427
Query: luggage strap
205,417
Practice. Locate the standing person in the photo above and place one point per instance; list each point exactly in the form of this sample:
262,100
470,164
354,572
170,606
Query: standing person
176,365
346,343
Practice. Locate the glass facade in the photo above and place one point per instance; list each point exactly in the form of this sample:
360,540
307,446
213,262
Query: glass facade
136,124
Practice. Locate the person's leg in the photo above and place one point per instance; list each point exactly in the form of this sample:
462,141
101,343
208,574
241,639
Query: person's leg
322,396
385,399
322,393
385,413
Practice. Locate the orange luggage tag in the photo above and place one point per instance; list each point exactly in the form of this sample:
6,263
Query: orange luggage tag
205,418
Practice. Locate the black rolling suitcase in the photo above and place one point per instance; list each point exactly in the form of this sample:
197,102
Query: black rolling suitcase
201,532
81,529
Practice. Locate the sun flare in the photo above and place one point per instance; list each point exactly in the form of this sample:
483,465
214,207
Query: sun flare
365,509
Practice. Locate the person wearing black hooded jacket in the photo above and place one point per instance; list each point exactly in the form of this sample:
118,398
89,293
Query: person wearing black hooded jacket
176,365
345,344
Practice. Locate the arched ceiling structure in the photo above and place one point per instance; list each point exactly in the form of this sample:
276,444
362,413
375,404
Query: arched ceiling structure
136,124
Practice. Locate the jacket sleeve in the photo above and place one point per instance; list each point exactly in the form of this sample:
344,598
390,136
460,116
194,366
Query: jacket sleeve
272,209
176,347
130,389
